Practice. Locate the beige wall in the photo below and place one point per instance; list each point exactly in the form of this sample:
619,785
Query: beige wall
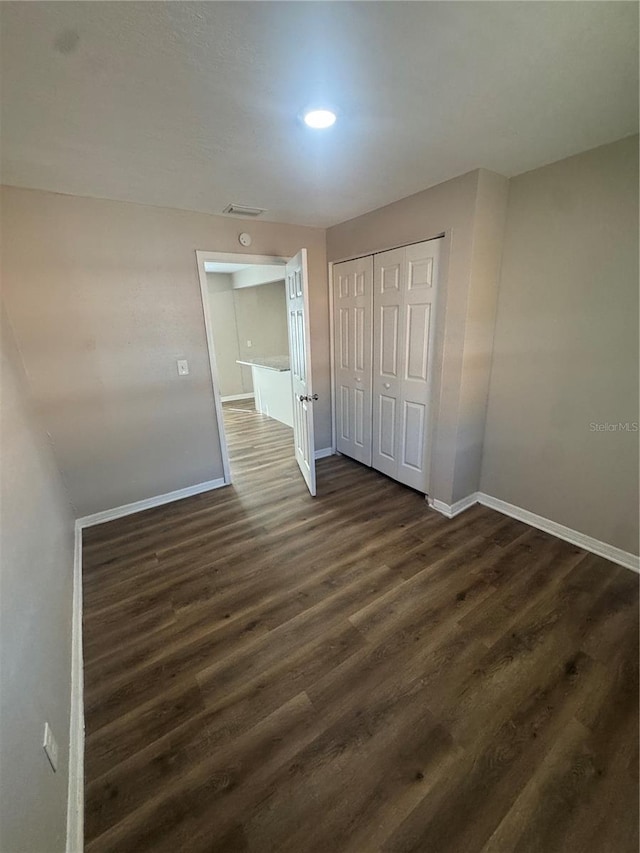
488,232
566,346
36,573
256,313
222,312
262,319
449,208
104,297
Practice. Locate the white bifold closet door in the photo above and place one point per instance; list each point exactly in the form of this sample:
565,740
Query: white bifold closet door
352,306
403,342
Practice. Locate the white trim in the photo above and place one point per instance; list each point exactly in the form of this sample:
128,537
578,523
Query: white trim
222,257
75,792
149,503
383,248
332,368
451,510
213,364
602,549
239,258
436,382
324,452
231,397
575,537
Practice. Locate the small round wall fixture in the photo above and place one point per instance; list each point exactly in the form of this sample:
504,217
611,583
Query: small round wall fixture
319,119
244,239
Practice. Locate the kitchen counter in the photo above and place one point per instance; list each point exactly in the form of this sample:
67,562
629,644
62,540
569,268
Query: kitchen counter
269,362
272,386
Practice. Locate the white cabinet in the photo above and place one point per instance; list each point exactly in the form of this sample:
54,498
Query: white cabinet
384,310
271,379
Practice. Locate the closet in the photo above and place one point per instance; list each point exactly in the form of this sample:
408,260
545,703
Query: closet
384,326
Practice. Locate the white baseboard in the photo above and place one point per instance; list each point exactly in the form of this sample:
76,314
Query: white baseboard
75,793
451,510
149,503
232,397
595,546
323,453
602,549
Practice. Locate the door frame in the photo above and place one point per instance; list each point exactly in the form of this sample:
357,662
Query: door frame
436,379
227,258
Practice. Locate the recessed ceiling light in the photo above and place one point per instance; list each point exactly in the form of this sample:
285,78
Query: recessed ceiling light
319,119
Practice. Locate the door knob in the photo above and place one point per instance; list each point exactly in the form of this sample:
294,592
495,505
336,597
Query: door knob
303,397
386,385
358,379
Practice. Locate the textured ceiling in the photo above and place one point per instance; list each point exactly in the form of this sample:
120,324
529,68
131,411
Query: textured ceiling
195,105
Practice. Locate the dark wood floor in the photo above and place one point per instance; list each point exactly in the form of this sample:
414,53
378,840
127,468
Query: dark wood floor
269,672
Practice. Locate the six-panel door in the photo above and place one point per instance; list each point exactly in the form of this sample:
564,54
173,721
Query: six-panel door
417,336
352,301
297,296
389,275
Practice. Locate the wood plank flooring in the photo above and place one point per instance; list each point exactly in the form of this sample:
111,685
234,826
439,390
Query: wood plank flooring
353,673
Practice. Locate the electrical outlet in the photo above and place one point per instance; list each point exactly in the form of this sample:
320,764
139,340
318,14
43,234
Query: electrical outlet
249,344
183,367
50,747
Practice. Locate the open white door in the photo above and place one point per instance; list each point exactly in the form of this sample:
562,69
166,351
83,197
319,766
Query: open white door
300,352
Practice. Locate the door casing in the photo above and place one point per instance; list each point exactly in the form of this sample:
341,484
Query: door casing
228,258
436,385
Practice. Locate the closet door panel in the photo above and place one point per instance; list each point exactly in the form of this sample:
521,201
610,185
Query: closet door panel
361,339
419,311
343,339
352,300
387,418
413,434
417,341
389,329
388,345
362,421
343,419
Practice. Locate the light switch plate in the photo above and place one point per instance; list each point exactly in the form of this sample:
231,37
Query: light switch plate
183,367
50,747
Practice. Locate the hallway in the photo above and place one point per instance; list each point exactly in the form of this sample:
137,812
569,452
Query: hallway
260,448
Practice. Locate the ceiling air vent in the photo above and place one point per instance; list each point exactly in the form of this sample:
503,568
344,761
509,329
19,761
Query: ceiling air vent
242,210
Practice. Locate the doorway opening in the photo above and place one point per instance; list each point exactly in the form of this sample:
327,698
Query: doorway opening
257,326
